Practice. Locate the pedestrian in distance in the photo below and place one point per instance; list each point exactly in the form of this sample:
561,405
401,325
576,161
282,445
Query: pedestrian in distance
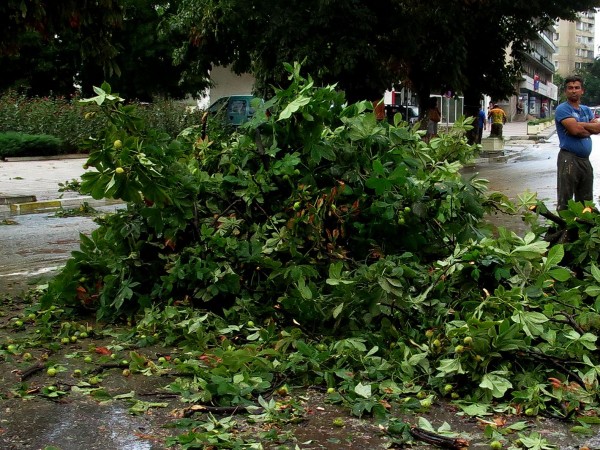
481,121
575,123
543,111
497,117
433,118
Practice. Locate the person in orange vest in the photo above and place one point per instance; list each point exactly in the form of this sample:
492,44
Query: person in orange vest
497,117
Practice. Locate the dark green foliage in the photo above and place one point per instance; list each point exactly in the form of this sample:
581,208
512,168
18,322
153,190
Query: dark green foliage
318,244
19,144
315,190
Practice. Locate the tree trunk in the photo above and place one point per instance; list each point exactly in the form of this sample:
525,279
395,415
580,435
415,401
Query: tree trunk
472,106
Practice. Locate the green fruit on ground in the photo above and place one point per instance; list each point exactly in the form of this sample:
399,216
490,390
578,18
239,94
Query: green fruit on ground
283,390
51,372
468,340
421,394
65,340
162,360
297,206
12,348
459,349
448,388
77,373
321,347
250,323
496,445
530,412
83,335
18,323
73,338
27,356
429,333
87,359
437,343
126,372
338,422
426,402
117,144
124,362
94,380
119,170
330,390
455,396
31,316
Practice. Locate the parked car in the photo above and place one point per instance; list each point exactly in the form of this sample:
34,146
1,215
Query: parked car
236,109
409,113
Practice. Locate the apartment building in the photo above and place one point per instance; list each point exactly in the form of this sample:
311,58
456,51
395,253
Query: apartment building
574,43
537,94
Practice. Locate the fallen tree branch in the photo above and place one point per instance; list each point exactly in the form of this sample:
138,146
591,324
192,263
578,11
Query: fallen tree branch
438,439
569,320
188,412
557,364
31,370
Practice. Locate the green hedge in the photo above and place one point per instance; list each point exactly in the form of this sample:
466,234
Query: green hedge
69,121
21,144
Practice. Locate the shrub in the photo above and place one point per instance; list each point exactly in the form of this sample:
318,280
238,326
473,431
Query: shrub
21,144
69,121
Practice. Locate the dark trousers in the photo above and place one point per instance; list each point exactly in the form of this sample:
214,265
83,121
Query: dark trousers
575,179
496,130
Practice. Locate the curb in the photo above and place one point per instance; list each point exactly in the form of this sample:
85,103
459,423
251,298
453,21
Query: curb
42,206
45,158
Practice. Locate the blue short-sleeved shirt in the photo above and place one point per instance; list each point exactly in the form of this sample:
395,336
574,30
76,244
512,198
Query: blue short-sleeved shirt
581,147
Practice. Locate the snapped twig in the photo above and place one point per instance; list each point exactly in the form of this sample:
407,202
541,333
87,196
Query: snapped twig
438,439
31,370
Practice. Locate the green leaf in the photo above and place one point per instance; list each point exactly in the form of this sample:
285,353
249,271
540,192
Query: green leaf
496,384
449,366
338,310
555,256
581,430
560,274
531,322
476,409
364,390
294,106
531,251
595,272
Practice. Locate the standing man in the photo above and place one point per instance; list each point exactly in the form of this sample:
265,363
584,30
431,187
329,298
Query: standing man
481,122
575,124
497,117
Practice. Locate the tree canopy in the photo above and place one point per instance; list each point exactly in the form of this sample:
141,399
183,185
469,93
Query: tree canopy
437,45
364,47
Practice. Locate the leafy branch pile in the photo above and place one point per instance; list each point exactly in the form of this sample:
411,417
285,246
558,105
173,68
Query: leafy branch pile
319,246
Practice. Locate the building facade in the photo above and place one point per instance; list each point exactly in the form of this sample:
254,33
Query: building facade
537,94
574,44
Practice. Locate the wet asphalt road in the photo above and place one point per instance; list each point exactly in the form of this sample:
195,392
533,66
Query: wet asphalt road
36,245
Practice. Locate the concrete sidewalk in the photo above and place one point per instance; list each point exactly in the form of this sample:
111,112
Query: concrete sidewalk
31,185
517,131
